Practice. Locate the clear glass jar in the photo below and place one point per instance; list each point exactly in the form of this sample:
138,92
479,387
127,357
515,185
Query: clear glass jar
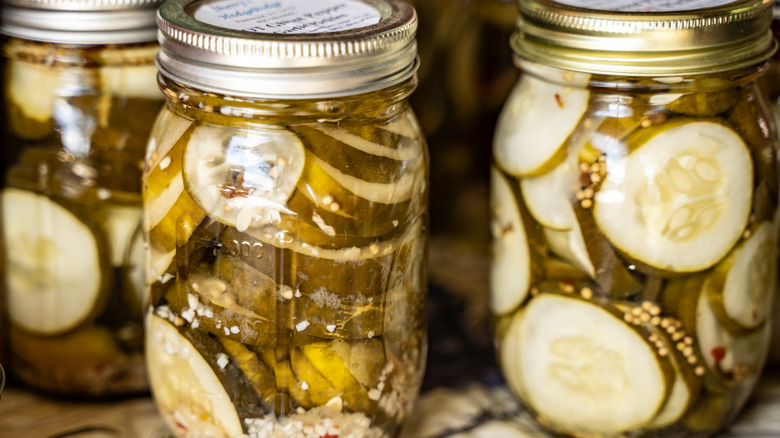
287,218
635,210
77,116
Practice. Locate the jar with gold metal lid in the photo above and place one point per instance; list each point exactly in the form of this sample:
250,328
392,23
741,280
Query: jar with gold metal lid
634,202
285,196
80,96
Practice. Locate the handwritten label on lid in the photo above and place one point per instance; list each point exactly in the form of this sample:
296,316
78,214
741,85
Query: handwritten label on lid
288,16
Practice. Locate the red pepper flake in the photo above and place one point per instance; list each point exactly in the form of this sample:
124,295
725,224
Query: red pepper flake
329,436
718,353
559,101
230,192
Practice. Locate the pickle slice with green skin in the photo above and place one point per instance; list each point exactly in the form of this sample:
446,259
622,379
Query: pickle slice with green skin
740,287
242,177
706,103
121,221
55,265
325,359
680,200
256,372
512,269
321,313
359,157
165,165
171,217
187,388
523,146
209,303
348,272
580,367
32,92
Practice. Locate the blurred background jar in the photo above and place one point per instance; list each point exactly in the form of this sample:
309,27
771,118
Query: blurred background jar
80,96
634,197
285,197
465,75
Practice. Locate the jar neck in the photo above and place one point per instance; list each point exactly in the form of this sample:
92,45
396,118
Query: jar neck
665,84
196,103
71,55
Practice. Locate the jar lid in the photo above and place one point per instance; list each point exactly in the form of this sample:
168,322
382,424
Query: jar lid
645,38
287,48
80,21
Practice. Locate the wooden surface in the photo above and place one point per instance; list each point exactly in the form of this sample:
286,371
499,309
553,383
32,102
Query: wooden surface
463,394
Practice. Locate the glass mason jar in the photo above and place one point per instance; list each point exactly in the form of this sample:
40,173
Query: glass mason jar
285,196
634,197
80,97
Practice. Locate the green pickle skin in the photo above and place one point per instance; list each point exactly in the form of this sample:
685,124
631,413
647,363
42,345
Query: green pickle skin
707,347
74,140
311,315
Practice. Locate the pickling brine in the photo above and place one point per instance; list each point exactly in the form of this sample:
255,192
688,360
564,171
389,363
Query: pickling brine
286,252
77,119
635,224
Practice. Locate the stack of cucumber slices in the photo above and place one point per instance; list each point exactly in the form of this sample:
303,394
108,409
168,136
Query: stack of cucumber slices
285,274
634,255
71,223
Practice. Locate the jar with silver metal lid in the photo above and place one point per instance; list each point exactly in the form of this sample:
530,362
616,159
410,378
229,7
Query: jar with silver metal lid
285,196
635,215
80,96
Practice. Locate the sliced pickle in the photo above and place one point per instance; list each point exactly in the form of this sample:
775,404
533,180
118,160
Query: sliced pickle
259,375
375,157
121,221
740,287
732,357
209,303
171,217
680,200
347,273
685,389
32,91
132,81
189,392
167,129
166,166
55,272
511,272
241,177
570,246
706,103
94,348
533,128
320,313
134,272
401,190
325,359
580,367
549,196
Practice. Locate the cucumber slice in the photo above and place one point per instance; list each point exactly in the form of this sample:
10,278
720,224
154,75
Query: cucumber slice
187,391
134,272
741,286
55,264
549,196
121,223
139,81
731,357
368,156
570,246
241,177
580,367
680,201
535,123
171,217
32,92
510,274
167,130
